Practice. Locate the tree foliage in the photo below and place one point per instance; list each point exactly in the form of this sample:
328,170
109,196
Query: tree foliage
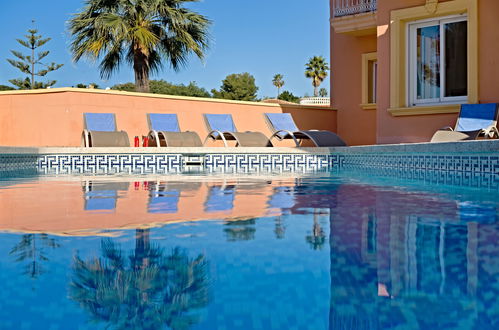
278,82
323,92
237,86
142,33
6,88
91,85
164,87
28,63
316,69
288,96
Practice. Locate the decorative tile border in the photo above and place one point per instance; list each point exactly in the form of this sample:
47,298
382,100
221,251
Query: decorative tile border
269,162
110,164
483,162
9,162
470,163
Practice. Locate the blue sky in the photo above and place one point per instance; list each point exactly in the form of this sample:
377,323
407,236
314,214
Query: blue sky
262,37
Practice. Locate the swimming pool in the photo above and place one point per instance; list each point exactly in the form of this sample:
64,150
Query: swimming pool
340,248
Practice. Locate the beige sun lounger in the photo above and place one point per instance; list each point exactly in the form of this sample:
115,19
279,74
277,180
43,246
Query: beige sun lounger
283,127
221,127
165,132
474,121
100,131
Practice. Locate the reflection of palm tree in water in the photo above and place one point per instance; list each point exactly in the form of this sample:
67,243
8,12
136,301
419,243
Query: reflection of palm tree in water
317,239
280,227
27,250
147,290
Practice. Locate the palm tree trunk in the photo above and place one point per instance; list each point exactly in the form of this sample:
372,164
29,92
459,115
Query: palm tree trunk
141,68
316,91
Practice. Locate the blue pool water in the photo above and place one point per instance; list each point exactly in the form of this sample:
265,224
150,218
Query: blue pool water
335,250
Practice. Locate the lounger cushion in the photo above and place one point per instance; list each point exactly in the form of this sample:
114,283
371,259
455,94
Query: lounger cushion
475,117
181,139
325,138
453,136
220,122
282,121
163,122
102,122
251,139
109,139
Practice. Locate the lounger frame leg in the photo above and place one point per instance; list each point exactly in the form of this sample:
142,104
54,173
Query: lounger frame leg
277,136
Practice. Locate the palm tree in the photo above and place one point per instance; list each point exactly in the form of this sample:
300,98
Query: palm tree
278,82
141,32
316,69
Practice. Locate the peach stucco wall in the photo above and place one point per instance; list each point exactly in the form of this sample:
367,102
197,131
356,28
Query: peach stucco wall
408,128
346,78
358,126
55,118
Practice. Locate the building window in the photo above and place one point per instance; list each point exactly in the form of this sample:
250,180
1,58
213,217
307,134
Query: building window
438,61
369,80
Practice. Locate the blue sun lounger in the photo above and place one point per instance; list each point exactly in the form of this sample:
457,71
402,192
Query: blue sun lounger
222,127
474,120
164,131
99,130
283,127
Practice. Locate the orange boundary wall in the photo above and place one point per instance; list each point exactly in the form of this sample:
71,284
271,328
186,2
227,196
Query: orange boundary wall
54,117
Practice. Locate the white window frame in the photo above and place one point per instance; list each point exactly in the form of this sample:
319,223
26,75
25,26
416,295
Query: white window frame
412,58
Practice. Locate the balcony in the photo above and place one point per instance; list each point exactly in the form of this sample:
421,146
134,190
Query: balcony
353,7
355,17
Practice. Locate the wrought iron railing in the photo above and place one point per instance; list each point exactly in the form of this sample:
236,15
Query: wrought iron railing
352,7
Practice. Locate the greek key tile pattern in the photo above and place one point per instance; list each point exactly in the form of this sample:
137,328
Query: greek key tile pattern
269,162
173,163
470,163
116,163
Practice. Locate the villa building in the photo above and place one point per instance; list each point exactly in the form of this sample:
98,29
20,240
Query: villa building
402,68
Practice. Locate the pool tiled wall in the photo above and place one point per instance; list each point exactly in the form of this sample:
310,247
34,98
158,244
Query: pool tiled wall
481,157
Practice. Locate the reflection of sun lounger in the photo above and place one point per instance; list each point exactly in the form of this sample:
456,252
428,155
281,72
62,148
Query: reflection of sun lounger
474,120
220,198
283,127
165,132
222,127
164,197
100,131
102,196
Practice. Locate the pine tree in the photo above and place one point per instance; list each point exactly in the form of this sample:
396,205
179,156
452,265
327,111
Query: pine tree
27,63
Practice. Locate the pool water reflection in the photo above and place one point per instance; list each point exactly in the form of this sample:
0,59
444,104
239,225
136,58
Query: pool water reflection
321,251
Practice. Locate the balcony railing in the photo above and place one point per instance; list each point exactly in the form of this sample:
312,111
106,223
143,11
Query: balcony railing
315,101
352,7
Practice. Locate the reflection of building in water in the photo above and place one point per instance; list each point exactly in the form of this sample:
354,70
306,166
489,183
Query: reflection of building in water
399,262
241,230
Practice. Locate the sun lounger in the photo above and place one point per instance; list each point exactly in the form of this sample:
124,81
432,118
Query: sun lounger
474,120
221,127
100,131
283,127
165,132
